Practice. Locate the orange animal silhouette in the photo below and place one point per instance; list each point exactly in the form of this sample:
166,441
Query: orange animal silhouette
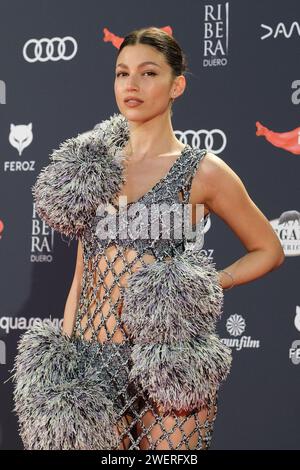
289,141
117,40
1,228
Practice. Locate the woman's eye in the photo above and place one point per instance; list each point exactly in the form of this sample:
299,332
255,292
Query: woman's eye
121,73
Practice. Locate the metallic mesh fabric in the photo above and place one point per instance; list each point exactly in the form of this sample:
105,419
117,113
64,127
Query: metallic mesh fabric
140,423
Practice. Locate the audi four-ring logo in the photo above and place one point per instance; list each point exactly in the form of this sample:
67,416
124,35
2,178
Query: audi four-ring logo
209,139
44,49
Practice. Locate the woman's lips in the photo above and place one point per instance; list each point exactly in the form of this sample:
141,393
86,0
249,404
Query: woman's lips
133,103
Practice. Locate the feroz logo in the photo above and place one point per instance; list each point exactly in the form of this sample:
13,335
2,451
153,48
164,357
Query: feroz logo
20,136
43,49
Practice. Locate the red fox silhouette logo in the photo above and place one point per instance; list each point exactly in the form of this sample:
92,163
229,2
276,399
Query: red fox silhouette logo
289,141
117,40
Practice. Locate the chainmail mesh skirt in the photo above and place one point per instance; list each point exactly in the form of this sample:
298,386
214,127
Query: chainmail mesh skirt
140,424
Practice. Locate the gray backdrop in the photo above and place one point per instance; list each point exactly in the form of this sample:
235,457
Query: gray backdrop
243,60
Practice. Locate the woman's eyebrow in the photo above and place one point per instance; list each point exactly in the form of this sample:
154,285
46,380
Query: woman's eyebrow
140,65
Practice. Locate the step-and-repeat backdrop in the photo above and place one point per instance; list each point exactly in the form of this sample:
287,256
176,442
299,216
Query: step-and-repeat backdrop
242,101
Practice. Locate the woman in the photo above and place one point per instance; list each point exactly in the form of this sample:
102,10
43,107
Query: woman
149,305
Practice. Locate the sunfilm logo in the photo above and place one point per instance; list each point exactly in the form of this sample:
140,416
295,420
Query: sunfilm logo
294,352
20,137
287,228
236,326
42,240
216,35
2,92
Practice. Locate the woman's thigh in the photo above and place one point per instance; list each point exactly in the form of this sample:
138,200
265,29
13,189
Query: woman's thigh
176,430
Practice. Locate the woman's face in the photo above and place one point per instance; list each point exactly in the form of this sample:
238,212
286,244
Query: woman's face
152,83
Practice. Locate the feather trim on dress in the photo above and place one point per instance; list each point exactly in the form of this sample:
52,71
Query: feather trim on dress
181,376
85,171
170,309
61,397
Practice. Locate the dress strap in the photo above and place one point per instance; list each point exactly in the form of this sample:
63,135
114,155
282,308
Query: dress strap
187,178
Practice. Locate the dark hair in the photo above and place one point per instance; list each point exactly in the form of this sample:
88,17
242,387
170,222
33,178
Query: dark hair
163,42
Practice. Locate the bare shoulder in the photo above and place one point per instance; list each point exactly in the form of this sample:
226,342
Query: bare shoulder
213,167
210,173
225,194
214,176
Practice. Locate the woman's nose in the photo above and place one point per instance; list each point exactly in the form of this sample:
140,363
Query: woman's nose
132,81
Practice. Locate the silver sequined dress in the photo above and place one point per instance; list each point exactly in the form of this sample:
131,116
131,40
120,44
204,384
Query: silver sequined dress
143,364
107,266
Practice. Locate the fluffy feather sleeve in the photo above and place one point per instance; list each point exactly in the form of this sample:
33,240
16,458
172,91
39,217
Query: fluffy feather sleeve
84,171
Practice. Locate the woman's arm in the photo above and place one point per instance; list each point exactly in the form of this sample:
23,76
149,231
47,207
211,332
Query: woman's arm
74,294
226,196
